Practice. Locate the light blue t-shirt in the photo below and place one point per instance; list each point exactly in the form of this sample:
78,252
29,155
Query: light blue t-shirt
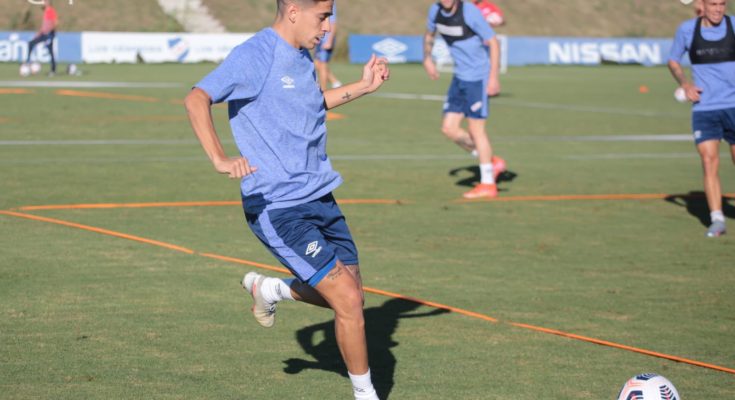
717,81
278,119
471,56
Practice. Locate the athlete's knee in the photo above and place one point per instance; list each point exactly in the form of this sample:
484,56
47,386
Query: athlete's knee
453,132
710,163
349,303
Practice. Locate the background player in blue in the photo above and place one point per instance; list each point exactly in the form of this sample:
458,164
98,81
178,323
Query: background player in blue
323,54
709,41
277,117
476,53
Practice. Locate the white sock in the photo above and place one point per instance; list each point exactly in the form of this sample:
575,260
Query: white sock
486,174
362,386
717,216
275,290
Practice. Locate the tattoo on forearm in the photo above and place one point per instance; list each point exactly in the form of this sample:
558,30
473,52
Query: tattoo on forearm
347,96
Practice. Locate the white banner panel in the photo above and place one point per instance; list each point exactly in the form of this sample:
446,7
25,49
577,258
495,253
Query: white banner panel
128,47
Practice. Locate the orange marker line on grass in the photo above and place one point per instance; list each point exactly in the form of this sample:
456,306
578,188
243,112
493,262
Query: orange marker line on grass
14,91
495,320
99,230
179,204
103,95
431,304
383,293
622,347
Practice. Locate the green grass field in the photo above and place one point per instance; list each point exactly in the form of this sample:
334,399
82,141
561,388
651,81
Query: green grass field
87,314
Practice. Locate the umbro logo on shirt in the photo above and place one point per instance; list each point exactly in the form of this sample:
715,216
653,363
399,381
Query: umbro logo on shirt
288,82
313,249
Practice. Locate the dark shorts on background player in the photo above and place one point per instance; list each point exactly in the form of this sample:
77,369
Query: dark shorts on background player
468,98
308,239
714,125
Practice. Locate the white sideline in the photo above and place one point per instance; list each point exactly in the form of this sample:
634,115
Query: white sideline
538,105
87,84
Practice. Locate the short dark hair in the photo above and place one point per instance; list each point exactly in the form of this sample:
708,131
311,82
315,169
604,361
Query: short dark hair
282,3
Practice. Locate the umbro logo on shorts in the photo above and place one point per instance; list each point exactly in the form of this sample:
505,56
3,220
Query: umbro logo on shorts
313,249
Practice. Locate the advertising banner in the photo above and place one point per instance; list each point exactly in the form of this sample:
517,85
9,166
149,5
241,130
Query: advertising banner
517,51
121,47
397,49
14,48
587,51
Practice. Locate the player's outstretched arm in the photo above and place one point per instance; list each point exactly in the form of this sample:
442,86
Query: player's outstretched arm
374,74
199,108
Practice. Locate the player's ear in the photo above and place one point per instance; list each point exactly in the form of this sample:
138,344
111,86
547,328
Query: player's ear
292,11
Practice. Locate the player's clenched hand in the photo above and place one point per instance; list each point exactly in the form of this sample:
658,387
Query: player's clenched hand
692,92
235,167
430,68
375,72
493,87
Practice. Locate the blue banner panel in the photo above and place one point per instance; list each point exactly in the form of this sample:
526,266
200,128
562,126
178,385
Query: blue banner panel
524,50
14,47
587,51
397,49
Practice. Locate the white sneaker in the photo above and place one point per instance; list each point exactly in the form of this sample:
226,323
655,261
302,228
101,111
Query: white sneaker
716,229
263,311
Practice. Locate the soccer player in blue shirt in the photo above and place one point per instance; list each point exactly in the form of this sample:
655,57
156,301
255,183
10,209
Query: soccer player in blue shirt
277,116
709,41
476,53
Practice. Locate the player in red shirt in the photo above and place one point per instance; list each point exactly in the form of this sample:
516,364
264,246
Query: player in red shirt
492,13
46,34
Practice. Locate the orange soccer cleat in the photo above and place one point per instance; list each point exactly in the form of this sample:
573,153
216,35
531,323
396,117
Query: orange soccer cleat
483,190
498,166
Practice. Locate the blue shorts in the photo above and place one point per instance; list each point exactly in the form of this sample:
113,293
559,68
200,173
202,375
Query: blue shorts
321,54
308,239
714,125
468,98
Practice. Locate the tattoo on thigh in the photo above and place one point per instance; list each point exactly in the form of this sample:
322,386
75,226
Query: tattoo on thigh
335,272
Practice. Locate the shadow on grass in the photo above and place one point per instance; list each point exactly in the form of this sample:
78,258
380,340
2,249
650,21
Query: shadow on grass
696,204
380,324
474,178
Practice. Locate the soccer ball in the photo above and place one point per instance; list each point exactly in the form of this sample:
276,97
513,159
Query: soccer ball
648,387
24,70
35,68
72,69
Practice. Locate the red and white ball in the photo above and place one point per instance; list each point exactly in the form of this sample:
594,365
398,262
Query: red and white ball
648,387
24,70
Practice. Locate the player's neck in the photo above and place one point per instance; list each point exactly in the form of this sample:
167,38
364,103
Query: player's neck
282,30
707,23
